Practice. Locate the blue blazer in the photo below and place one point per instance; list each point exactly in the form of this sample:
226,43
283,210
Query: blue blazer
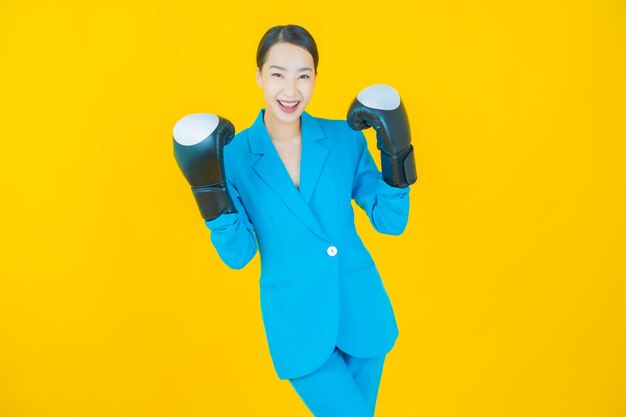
319,286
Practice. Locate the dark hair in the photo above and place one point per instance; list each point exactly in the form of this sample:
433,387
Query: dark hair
294,34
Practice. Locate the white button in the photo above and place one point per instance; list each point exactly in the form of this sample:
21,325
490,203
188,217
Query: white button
332,251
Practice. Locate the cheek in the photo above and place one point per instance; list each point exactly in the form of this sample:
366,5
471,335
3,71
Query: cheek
308,90
269,92
272,89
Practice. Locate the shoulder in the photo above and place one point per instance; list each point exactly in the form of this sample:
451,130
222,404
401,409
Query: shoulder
237,142
236,155
336,128
331,123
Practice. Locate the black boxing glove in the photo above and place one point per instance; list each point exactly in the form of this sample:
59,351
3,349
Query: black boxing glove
199,141
379,106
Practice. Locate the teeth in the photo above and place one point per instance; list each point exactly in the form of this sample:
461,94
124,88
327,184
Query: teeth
292,105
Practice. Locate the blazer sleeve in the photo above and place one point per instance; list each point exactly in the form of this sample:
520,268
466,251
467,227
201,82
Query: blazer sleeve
386,206
233,234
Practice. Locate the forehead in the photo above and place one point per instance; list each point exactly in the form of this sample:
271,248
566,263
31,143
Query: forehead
288,55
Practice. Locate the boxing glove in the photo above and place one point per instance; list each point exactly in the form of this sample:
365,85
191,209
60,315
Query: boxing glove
379,106
199,141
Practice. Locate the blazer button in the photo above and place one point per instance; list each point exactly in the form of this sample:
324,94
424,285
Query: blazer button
332,251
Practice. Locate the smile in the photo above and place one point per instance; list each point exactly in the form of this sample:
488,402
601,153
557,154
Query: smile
288,107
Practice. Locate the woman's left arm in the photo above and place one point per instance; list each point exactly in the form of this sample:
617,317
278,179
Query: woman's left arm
386,206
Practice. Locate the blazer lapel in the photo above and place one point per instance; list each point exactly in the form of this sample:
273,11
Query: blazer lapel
273,172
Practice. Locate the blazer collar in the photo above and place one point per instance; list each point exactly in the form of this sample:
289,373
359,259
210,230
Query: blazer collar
273,172
311,131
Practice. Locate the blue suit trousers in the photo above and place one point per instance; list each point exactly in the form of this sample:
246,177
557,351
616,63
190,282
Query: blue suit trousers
343,386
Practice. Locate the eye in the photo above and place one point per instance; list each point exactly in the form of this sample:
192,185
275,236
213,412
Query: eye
304,75
276,73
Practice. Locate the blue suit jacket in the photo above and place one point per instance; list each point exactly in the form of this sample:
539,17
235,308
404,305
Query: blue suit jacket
319,285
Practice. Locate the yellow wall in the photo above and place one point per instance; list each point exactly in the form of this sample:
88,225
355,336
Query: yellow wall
508,284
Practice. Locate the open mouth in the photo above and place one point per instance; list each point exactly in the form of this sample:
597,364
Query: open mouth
288,107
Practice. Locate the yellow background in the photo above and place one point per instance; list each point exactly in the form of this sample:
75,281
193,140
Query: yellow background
508,283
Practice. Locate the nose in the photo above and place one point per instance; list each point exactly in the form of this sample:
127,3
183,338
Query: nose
290,89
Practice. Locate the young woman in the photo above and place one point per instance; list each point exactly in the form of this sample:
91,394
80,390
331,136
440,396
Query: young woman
284,187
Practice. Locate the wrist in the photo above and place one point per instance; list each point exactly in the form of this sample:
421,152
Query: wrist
399,170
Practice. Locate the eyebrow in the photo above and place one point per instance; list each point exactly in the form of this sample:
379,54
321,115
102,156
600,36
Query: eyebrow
285,69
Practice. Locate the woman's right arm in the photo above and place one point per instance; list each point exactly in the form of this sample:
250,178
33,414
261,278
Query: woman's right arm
232,234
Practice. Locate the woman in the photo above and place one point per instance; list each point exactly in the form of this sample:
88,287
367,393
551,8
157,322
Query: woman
284,188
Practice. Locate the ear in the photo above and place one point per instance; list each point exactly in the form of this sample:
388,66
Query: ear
258,77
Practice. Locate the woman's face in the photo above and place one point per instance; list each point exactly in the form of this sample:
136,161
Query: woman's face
287,77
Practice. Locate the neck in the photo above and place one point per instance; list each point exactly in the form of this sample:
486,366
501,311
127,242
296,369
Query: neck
280,130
